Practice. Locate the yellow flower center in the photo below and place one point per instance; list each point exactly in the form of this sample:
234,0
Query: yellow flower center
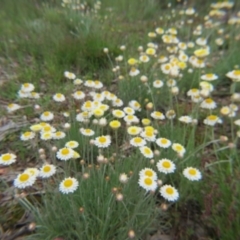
88,104
47,128
148,181
166,164
24,177
65,151
148,173
209,75
236,72
27,134
208,100
179,148
26,85
147,151
68,183
46,114
102,139
164,141
192,172
47,169
169,190
149,133
212,117
137,140
6,157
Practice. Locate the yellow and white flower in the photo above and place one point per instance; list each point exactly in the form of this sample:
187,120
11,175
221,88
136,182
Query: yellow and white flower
87,131
69,75
192,174
65,154
148,183
59,97
148,172
47,170
68,185
59,135
102,141
47,116
163,142
7,158
13,107
27,136
24,180
169,193
72,144
211,120
146,151
166,166
209,77
179,149
138,142
118,113
27,87
208,103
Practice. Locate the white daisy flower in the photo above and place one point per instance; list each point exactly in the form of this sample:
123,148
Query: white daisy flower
135,105
134,130
47,116
47,170
158,83
179,149
7,158
211,120
27,136
148,172
131,119
209,77
83,116
146,151
148,135
59,97
59,135
69,75
208,103
118,113
193,92
192,174
87,131
102,141
72,144
89,83
163,142
169,193
138,142
65,154
24,180
185,119
27,87
98,84
46,135
78,95
13,107
157,115
166,166
149,184
77,81
129,111
68,185
117,103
